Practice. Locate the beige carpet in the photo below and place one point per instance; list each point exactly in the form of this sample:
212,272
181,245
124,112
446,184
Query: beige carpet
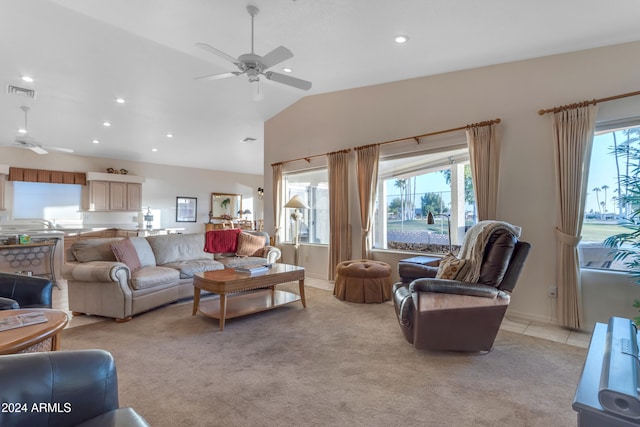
331,364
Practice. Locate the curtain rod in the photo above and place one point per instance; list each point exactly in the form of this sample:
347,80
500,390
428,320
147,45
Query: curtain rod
424,135
417,139
585,103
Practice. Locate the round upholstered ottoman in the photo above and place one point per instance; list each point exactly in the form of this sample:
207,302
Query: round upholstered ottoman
362,280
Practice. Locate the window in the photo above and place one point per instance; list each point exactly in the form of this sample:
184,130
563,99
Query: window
313,187
614,156
409,187
55,202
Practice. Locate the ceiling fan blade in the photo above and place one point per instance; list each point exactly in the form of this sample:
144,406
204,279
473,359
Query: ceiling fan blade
218,53
276,56
219,76
37,149
64,150
288,80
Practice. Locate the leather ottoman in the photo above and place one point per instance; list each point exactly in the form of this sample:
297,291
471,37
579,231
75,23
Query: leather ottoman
363,281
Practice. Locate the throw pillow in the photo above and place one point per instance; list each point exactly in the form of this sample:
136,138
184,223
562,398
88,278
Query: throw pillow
125,252
450,267
250,245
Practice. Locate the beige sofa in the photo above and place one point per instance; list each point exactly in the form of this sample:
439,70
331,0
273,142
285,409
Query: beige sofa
100,285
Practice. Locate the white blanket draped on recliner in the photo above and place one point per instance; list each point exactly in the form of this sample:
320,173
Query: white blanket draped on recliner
474,243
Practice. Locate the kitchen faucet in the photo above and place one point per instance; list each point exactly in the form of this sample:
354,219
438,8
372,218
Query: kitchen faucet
45,222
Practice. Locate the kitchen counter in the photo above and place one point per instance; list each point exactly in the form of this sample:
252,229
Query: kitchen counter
30,257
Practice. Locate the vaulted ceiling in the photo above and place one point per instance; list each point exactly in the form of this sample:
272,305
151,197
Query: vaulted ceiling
83,54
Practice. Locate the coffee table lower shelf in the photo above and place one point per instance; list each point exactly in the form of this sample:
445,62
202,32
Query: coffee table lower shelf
244,303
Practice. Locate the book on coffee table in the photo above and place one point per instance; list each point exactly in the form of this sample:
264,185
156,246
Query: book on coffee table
252,269
20,320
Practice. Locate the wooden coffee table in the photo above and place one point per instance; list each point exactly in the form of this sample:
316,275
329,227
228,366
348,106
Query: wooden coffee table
32,338
254,293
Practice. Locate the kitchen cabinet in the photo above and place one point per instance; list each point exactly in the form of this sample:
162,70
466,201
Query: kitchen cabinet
115,196
114,192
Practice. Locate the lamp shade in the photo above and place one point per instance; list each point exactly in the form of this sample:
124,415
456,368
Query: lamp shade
430,219
297,203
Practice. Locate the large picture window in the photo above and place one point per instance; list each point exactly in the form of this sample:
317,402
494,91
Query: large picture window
312,186
411,186
609,207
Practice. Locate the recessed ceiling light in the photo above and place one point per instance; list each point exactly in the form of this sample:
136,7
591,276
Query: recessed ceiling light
169,135
106,124
27,79
22,131
401,39
287,70
95,141
120,100
154,149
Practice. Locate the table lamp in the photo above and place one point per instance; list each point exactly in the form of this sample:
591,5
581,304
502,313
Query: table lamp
296,203
148,217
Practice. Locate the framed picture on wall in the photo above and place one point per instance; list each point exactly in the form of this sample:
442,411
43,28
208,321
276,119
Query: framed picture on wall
186,209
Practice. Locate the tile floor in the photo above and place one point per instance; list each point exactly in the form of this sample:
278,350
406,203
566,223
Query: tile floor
512,324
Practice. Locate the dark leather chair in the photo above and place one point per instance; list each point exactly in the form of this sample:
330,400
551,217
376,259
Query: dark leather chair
449,315
62,389
17,291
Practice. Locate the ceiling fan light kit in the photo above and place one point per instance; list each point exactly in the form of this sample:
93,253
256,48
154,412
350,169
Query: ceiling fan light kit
24,140
254,65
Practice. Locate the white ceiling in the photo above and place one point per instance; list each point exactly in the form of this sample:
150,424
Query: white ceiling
85,53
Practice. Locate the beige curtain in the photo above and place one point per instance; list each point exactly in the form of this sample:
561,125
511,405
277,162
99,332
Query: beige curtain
367,175
484,153
572,139
277,200
340,238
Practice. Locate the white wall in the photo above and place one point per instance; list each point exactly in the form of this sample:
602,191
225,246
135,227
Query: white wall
513,92
159,191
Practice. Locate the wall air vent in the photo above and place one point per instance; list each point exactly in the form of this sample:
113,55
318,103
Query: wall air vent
16,90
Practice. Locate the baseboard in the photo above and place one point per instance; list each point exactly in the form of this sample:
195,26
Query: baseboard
515,315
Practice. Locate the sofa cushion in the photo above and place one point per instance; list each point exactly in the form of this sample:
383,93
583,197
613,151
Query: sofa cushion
188,268
143,249
86,250
250,245
178,247
125,252
149,277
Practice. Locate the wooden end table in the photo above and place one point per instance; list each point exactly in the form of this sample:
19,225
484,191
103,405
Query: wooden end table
33,338
254,293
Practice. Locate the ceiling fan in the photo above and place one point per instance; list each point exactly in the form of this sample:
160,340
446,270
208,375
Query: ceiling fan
26,141
254,65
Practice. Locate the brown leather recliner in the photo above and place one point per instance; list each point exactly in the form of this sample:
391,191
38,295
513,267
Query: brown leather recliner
440,314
